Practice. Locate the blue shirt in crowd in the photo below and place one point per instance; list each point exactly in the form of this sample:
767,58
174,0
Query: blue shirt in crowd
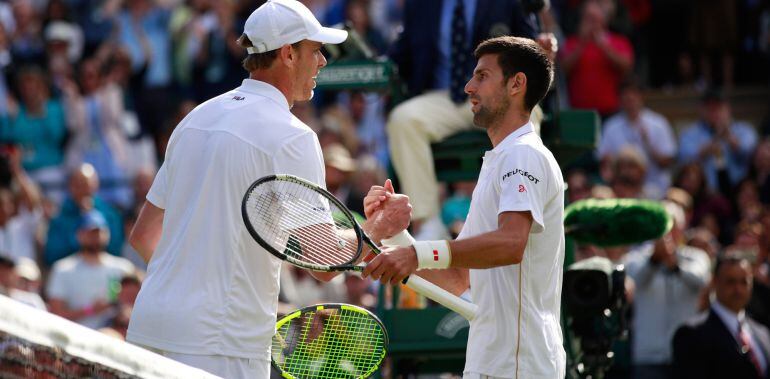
694,138
41,138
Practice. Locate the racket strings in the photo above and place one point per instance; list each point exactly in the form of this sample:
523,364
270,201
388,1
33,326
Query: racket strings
303,224
340,344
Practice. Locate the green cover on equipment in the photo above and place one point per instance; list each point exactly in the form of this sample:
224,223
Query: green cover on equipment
616,222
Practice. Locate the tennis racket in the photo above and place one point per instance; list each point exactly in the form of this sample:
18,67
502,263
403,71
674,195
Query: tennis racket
305,225
329,341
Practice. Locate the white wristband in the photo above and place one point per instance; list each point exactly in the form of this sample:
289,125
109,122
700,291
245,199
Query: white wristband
433,254
401,239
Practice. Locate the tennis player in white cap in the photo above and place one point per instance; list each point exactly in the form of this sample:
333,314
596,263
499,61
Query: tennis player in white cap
211,292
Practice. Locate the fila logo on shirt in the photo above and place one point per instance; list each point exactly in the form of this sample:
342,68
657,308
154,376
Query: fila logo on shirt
239,98
523,173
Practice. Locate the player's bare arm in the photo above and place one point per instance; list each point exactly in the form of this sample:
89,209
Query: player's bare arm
147,230
502,247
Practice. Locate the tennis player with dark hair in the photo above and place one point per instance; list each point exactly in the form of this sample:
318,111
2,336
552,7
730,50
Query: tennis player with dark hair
211,292
513,238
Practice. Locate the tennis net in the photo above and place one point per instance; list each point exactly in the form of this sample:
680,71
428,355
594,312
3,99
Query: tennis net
36,344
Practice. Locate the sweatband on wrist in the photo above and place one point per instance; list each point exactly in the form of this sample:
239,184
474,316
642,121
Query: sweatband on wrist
433,254
400,239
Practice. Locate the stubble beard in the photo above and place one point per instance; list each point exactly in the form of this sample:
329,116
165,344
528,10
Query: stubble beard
489,116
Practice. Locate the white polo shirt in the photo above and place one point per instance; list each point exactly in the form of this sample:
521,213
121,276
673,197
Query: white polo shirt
210,288
517,332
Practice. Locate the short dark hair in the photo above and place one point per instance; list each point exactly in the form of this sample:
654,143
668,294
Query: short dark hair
516,54
631,83
729,259
258,61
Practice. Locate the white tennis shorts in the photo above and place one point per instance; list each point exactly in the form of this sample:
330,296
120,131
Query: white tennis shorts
222,366
473,375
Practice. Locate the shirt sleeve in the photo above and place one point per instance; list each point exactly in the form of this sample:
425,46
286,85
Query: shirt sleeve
689,144
523,184
302,157
663,140
157,193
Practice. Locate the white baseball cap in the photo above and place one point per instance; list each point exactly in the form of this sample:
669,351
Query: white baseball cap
284,22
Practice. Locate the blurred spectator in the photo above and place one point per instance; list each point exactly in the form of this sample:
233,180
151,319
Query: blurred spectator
338,126
711,40
141,148
434,54
6,60
340,167
83,287
745,200
94,114
27,38
578,185
367,111
760,170
38,127
20,217
144,32
455,209
62,232
724,343
63,40
130,284
64,45
629,170
7,22
692,179
683,199
596,60
645,130
759,306
703,239
668,276
717,142
9,286
30,278
746,242
187,24
97,18
118,324
216,67
357,14
368,173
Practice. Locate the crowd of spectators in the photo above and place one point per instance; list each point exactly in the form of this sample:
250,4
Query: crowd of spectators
91,90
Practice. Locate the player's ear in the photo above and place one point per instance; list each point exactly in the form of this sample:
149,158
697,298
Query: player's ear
287,55
517,83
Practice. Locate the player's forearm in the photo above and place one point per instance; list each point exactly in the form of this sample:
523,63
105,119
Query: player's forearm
493,249
147,230
454,280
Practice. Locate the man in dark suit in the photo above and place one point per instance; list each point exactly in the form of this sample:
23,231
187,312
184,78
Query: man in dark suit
434,54
724,343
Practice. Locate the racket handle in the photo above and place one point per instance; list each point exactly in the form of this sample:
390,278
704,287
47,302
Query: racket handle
442,296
